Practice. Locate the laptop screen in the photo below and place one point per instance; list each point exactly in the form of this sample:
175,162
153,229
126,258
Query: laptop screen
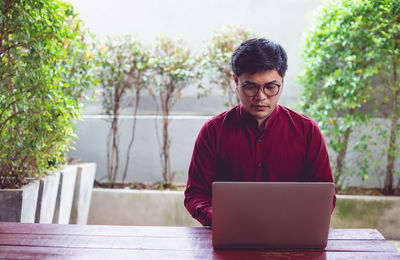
271,214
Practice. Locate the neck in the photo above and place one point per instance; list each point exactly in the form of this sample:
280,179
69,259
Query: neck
261,124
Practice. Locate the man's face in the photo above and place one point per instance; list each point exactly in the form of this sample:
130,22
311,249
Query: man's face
261,105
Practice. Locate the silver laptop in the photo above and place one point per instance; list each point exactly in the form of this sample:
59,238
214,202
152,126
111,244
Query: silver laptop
271,214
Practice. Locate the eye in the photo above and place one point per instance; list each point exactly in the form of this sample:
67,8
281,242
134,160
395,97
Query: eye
250,86
271,86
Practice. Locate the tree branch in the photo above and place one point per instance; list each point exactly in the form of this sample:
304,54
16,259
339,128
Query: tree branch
4,23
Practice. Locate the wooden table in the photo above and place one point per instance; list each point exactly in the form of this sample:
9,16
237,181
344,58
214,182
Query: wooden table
45,241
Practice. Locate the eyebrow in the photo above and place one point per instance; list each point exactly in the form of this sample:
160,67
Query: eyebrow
251,82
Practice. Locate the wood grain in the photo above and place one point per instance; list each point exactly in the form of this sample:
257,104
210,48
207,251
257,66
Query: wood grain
8,252
47,241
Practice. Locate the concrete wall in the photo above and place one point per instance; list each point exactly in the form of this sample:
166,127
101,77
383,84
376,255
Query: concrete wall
377,212
145,160
139,208
152,208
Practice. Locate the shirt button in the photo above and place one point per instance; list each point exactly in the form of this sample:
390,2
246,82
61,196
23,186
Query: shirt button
260,164
259,140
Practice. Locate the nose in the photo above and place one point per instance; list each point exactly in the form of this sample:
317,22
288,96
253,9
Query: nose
260,94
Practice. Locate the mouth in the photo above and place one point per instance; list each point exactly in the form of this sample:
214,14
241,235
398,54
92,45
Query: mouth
260,107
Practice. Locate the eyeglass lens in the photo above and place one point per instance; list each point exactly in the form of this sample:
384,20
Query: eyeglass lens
270,90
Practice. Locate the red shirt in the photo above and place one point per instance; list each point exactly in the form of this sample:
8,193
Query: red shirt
230,147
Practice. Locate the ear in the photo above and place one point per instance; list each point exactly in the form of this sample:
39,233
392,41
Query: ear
235,79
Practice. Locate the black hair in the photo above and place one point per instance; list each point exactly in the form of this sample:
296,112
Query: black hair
257,55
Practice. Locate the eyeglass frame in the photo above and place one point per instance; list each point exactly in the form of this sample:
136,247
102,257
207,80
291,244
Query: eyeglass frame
259,86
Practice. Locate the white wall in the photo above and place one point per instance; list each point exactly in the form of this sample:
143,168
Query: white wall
283,21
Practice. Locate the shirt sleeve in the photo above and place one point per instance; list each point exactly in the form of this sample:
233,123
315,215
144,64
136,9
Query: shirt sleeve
201,175
317,160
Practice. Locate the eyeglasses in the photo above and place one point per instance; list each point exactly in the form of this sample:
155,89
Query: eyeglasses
252,89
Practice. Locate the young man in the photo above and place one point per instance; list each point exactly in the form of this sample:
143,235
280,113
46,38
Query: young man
257,140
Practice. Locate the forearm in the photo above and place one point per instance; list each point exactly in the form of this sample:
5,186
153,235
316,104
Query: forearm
199,205
201,174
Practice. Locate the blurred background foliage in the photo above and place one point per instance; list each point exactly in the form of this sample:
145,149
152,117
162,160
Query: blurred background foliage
216,61
173,69
122,66
351,82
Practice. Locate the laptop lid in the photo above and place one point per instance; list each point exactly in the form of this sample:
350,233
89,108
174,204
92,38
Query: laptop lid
271,214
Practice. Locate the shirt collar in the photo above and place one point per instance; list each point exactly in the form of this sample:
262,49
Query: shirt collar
247,118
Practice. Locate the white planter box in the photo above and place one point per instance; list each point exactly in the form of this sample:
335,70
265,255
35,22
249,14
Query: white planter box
46,202
65,195
165,208
139,207
382,213
61,197
19,205
83,193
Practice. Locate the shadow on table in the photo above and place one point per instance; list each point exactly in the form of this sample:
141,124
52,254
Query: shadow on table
262,254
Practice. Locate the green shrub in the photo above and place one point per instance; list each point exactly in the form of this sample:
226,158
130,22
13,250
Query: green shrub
351,74
44,71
